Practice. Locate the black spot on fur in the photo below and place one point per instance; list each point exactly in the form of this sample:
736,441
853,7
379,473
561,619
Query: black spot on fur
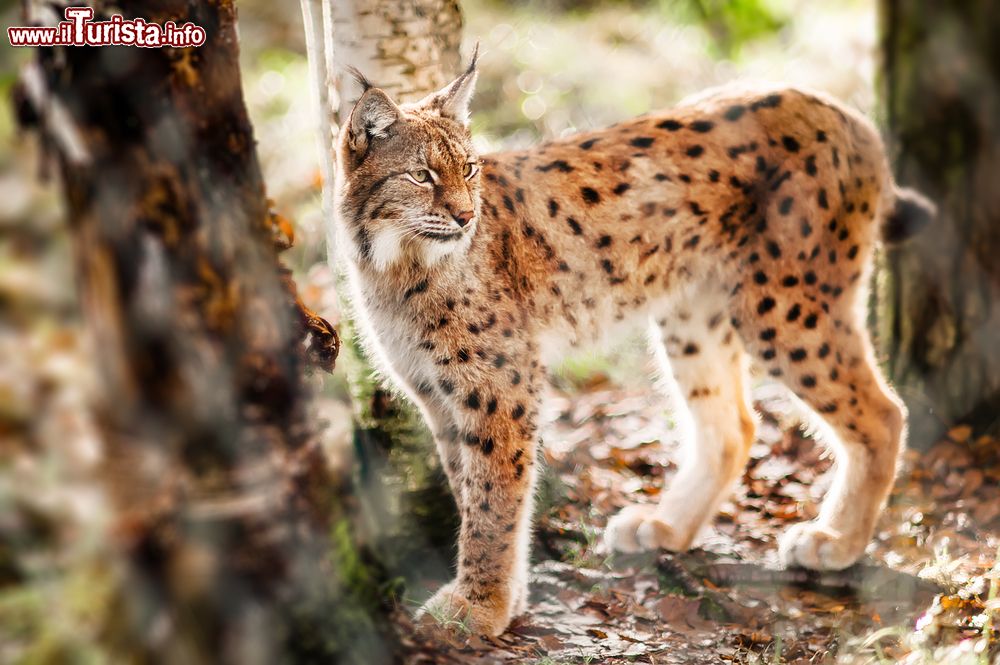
769,102
670,125
419,287
588,144
768,334
765,305
590,195
553,208
472,401
790,281
694,151
810,321
734,112
702,126
759,277
776,185
575,226
785,206
798,355
823,203
793,313
791,145
690,349
642,141
559,164
603,241
621,188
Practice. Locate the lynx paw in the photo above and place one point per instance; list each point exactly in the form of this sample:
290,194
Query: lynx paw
451,609
637,528
818,547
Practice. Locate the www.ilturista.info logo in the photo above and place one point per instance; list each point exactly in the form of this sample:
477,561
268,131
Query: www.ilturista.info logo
79,29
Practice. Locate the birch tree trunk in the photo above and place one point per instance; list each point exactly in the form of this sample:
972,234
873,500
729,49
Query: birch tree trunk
233,530
940,299
409,48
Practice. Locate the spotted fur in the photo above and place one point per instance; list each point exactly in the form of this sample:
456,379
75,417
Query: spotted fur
740,226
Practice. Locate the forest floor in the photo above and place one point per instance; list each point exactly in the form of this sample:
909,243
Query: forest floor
923,594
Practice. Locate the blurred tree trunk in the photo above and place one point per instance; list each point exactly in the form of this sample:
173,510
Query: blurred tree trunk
234,529
940,299
409,48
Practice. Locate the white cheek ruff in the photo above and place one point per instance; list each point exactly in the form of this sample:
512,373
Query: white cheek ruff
387,247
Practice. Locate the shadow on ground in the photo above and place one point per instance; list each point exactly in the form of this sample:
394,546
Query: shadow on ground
921,592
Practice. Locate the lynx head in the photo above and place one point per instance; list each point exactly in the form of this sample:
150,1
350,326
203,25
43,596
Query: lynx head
408,176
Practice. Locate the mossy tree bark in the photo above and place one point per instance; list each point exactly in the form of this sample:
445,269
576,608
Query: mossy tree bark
409,48
939,303
233,528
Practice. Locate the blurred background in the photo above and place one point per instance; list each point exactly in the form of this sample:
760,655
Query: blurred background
549,68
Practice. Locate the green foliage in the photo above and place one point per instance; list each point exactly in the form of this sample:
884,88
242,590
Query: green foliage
733,23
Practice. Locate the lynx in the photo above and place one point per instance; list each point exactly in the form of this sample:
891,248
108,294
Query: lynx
738,226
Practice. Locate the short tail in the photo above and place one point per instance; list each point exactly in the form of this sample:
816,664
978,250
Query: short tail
911,213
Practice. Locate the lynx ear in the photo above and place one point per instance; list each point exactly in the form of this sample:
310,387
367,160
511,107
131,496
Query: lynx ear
452,101
372,116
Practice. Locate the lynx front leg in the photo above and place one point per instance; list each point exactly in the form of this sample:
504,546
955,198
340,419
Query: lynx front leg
446,438
709,365
498,474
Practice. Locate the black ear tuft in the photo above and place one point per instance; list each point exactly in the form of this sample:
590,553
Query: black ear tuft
452,101
362,80
475,60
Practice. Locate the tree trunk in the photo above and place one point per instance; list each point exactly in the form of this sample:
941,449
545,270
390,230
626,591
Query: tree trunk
940,297
234,532
410,49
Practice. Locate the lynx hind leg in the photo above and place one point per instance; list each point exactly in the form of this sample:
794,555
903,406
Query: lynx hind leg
709,367
826,359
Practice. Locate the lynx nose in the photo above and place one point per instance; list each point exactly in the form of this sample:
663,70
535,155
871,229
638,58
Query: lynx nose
463,218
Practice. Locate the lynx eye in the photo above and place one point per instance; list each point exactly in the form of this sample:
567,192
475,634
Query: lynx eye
420,176
469,170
